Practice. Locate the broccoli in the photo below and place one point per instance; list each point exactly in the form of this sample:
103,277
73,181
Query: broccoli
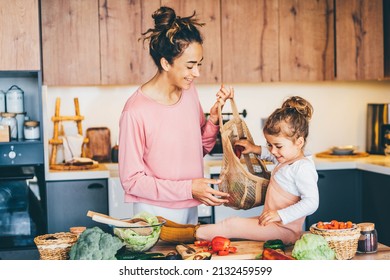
95,244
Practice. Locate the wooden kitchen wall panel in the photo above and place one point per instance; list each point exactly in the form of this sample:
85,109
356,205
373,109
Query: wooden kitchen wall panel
208,12
124,58
70,42
250,41
306,40
19,38
359,40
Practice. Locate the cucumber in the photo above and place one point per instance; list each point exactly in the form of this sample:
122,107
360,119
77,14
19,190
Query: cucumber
274,244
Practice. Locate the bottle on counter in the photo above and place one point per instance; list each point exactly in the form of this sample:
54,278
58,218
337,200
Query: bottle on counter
368,240
114,153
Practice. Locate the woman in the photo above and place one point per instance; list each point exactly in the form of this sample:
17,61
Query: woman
163,131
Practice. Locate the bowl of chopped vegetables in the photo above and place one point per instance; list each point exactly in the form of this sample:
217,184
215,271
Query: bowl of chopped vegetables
142,237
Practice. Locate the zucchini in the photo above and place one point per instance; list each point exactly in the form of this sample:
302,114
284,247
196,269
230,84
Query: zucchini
274,244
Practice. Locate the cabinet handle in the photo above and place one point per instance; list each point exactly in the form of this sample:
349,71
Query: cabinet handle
95,186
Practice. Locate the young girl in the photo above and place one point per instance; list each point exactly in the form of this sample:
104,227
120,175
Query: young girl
292,193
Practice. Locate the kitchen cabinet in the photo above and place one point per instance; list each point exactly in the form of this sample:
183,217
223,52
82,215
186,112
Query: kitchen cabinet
340,197
70,42
208,12
306,33
376,207
386,31
69,201
19,39
359,40
124,58
250,41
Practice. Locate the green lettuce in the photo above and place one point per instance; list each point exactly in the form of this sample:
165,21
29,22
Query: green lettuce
140,243
312,247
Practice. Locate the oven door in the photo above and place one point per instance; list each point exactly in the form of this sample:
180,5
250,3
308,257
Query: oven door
21,209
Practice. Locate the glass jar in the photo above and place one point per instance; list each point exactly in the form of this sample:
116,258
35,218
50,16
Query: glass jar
10,119
15,100
368,240
31,130
2,101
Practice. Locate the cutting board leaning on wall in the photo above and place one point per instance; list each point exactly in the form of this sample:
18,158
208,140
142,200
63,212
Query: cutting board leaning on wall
99,145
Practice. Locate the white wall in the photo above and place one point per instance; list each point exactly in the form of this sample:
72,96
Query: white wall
339,107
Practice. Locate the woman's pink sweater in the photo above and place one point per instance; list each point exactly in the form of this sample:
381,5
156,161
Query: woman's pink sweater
161,149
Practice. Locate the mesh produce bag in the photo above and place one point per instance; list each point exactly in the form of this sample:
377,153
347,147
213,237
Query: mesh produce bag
245,179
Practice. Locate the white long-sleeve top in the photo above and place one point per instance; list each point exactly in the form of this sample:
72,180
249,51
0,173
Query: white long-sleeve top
298,178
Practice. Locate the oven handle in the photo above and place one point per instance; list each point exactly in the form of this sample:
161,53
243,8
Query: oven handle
95,186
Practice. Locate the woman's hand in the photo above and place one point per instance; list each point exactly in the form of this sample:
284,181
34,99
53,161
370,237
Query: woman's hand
269,216
249,147
206,194
222,95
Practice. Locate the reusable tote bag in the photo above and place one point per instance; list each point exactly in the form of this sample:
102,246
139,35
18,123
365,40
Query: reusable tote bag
246,178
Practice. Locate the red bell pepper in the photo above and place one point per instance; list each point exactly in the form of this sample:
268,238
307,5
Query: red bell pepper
220,243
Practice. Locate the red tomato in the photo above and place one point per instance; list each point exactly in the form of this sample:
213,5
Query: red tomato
220,243
223,253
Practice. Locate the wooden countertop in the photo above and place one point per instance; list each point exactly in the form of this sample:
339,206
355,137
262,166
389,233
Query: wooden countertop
248,250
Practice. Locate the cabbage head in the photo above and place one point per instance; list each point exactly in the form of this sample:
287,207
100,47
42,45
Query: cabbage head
312,247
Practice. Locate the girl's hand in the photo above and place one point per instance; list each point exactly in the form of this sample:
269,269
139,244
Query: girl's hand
249,147
206,194
269,216
222,95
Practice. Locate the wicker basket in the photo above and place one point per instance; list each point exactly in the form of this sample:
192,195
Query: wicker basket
55,246
344,242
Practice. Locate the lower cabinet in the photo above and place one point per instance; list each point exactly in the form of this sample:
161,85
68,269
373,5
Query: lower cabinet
69,201
376,206
340,197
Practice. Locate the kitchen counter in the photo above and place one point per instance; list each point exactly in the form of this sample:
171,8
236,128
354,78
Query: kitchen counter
101,172
383,252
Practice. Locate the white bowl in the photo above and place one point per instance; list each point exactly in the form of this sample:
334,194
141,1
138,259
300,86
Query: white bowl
343,150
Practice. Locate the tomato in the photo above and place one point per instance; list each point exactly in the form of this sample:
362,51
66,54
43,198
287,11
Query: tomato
202,243
334,224
232,249
349,224
220,243
223,252
320,225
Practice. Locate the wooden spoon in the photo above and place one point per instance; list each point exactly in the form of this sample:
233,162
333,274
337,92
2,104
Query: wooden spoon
138,225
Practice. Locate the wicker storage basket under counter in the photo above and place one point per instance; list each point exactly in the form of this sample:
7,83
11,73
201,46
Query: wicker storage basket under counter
344,242
55,246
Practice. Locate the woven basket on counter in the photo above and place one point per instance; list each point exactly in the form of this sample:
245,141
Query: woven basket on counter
344,242
55,246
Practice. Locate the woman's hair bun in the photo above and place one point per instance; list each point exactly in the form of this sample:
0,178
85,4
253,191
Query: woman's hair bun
164,17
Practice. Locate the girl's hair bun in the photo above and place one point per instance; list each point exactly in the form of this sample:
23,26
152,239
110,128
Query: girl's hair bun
301,105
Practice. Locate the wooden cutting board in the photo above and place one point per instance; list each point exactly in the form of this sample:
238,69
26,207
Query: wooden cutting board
99,145
246,250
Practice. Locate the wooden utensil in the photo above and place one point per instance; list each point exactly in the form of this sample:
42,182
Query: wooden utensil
99,145
138,225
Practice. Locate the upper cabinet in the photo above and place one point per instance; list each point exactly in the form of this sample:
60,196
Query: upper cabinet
70,42
250,41
124,58
306,44
359,40
208,12
19,38
96,42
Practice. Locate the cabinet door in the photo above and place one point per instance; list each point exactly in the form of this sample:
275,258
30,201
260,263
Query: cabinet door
124,58
19,38
359,40
69,201
70,42
376,207
340,197
250,42
208,12
306,40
